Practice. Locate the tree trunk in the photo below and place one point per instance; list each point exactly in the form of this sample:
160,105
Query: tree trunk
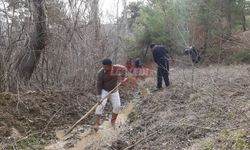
229,19
205,44
243,14
28,59
244,23
125,11
117,33
205,25
95,19
228,12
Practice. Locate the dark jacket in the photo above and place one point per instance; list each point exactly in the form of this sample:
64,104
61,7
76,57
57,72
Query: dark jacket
137,62
192,52
160,55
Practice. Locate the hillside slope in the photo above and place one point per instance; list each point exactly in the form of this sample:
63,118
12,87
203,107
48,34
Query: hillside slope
209,110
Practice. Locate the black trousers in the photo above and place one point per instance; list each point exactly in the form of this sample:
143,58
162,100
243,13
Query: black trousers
162,72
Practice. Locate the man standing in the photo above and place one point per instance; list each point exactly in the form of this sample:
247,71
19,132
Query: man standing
137,62
161,59
106,81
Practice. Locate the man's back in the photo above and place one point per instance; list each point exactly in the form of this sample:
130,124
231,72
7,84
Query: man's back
160,54
161,59
192,52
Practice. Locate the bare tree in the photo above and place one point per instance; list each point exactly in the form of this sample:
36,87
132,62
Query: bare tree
94,19
77,42
28,59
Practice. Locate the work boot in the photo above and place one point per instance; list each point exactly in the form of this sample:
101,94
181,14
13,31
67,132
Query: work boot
113,119
157,89
96,123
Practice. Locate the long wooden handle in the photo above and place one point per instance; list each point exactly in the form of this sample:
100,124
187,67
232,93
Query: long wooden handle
93,108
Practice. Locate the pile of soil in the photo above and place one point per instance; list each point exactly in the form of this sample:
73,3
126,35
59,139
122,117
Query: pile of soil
31,111
205,108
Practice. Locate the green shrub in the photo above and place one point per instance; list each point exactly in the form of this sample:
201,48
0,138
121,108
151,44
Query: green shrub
240,57
248,21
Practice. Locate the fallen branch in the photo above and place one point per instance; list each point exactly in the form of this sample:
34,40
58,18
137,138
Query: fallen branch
27,136
51,120
206,128
140,140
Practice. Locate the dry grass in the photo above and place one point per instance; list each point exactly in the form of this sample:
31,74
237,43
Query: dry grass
199,105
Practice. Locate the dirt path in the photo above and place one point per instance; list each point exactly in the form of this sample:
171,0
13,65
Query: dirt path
85,138
106,134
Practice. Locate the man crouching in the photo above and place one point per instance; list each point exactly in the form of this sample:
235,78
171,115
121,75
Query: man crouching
107,80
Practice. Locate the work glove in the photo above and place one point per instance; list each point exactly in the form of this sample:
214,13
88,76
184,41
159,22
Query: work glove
99,98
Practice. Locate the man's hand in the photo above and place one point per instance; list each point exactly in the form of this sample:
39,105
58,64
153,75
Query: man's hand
124,80
99,98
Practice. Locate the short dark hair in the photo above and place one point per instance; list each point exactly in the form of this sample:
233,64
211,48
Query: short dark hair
152,45
107,61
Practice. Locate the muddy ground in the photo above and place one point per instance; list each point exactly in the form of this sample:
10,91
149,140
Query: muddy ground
204,108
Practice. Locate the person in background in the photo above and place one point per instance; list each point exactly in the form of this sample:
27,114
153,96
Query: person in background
137,69
192,52
161,59
137,62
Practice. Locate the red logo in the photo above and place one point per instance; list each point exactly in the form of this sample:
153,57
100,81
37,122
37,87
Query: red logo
130,71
